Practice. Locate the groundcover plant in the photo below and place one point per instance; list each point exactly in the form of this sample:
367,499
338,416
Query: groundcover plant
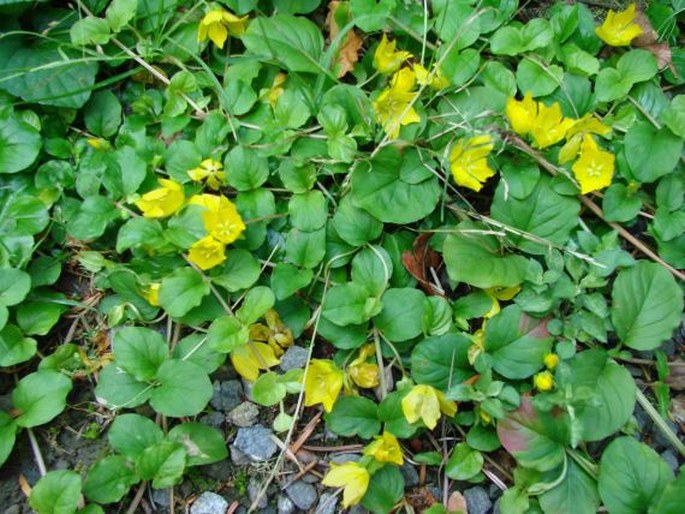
446,233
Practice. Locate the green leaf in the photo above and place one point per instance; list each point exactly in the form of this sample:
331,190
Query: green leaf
287,279
130,434
226,333
476,259
620,203
637,66
497,76
89,30
651,153
140,232
576,493
295,42
372,267
268,390
8,434
611,85
247,169
102,114
195,348
15,284
441,360
538,78
631,476
14,347
535,438
349,304
140,351
371,15
92,218
109,479
118,389
40,397
162,463
386,488
119,13
203,444
345,338
674,116
354,225
240,270
646,306
182,290
20,144
58,492
464,462
354,416
256,303
305,249
37,318
391,415
184,389
399,188
401,317
52,75
544,213
308,211
456,20
517,343
671,500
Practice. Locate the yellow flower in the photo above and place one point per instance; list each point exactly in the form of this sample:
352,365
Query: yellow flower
362,373
275,333
221,218
352,476
163,201
551,360
250,358
209,170
98,143
424,78
550,126
619,28
386,59
588,124
484,416
521,114
218,24
594,168
385,448
207,253
275,91
322,384
469,163
543,381
503,293
424,402
151,293
392,106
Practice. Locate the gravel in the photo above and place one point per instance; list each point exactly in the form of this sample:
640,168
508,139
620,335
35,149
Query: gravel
253,490
302,494
244,415
209,503
285,505
411,477
327,504
256,443
477,500
227,395
295,357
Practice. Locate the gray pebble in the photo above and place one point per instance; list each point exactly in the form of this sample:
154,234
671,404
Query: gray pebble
671,459
294,357
477,500
659,438
214,420
247,388
239,458
302,494
285,505
244,415
327,504
253,490
161,497
227,395
221,471
411,477
342,458
256,443
209,503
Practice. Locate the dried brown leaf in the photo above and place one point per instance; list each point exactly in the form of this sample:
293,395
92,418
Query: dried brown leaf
348,54
419,260
457,503
649,40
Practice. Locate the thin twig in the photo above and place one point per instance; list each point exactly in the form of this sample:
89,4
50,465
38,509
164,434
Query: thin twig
136,500
660,422
36,452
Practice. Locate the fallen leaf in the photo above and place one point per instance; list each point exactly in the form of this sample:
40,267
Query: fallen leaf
676,375
649,40
457,503
348,53
421,499
418,262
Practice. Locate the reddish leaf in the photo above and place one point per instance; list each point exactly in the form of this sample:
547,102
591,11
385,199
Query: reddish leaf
418,262
348,53
649,40
457,503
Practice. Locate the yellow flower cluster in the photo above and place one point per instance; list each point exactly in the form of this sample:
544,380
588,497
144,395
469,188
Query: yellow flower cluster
163,201
547,126
619,28
394,105
218,24
209,170
223,225
469,161
426,403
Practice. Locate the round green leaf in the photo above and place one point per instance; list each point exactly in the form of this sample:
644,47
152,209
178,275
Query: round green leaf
181,291
355,226
203,444
386,488
349,304
620,204
102,114
58,492
354,416
308,211
162,463
401,317
256,303
226,333
15,284
576,493
464,462
40,397
538,78
651,153
8,434
287,279
240,270
20,144
109,479
184,389
646,306
140,351
14,347
118,389
267,390
441,360
130,434
372,267
195,348
246,169
631,476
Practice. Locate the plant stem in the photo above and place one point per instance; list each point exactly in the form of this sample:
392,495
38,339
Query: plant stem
36,452
660,423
